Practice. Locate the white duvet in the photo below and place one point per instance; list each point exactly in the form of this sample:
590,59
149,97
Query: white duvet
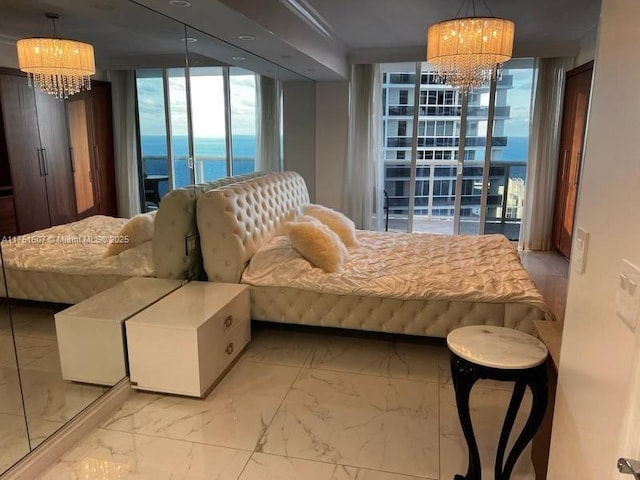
77,248
406,266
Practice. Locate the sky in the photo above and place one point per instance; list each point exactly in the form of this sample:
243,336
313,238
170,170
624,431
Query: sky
519,99
207,105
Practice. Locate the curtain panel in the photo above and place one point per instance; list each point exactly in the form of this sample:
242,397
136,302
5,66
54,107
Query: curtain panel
268,102
544,141
123,93
363,184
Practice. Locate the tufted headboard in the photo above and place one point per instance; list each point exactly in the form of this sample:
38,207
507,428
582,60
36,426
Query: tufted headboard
236,220
175,221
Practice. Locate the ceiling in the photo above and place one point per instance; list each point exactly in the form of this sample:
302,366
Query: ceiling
146,33
124,35
403,23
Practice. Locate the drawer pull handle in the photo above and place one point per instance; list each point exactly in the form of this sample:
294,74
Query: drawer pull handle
229,349
228,321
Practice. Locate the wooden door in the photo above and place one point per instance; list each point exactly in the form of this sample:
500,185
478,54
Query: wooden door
79,118
574,122
52,123
102,126
25,158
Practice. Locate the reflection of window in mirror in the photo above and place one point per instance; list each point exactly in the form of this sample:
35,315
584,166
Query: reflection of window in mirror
224,115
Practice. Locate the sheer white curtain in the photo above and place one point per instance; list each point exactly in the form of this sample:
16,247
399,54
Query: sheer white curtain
362,193
544,140
268,101
123,99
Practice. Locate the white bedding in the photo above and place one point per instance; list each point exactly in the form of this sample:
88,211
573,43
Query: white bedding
407,267
77,248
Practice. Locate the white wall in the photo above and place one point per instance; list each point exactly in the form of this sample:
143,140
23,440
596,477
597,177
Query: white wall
332,123
587,50
597,348
299,124
8,56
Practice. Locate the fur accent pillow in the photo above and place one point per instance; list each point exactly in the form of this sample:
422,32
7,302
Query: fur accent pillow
135,232
336,221
317,243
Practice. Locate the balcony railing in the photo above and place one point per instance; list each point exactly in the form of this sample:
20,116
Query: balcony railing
445,141
207,168
504,200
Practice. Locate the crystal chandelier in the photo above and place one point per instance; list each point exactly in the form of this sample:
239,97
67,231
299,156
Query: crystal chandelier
58,66
467,51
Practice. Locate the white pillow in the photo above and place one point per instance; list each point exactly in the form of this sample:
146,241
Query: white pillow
317,243
336,221
135,232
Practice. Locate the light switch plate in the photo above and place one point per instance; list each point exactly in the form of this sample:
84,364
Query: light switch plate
579,253
628,294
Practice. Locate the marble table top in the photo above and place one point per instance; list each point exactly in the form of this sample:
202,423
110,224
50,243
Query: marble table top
497,347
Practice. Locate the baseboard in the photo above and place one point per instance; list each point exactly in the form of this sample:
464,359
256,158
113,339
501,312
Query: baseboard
54,447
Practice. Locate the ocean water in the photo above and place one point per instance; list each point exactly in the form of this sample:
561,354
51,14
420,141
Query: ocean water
209,152
211,155
517,149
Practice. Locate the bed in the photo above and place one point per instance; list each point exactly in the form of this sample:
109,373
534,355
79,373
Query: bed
415,284
66,264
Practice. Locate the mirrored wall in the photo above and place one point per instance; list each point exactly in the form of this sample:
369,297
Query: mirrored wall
192,109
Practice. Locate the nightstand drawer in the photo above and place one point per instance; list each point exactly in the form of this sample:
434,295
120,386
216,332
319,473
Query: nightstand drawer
236,312
184,343
222,353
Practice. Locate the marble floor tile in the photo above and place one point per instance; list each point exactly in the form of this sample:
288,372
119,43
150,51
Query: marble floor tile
488,408
119,455
10,394
282,347
37,353
34,320
49,397
377,357
364,421
235,414
13,440
40,429
7,352
378,475
275,467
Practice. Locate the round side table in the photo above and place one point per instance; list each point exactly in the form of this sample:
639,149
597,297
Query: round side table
504,354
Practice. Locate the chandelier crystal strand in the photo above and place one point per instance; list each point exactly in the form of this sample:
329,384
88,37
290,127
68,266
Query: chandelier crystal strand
465,51
58,66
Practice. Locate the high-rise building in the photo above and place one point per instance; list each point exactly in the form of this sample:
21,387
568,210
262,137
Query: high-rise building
438,138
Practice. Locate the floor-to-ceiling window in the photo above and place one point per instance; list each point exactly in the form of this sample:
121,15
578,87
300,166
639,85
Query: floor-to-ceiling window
154,140
242,99
430,188
195,126
209,123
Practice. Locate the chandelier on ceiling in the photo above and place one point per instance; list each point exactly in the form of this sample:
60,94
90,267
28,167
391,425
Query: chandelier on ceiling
467,51
59,66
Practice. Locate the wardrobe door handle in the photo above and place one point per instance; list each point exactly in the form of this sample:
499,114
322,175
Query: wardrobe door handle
44,161
565,164
96,157
578,167
73,166
39,161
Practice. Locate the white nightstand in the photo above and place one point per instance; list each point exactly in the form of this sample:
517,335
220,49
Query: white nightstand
184,343
91,334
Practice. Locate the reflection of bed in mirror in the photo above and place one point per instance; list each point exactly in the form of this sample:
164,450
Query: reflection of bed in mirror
129,40
67,263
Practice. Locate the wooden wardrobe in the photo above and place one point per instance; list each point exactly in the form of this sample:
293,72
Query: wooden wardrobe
40,183
574,124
